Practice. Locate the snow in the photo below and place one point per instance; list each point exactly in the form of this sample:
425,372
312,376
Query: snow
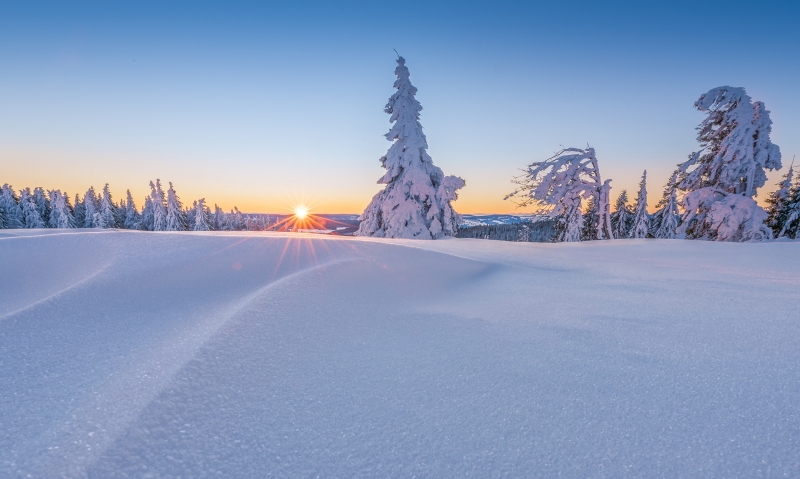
136,354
